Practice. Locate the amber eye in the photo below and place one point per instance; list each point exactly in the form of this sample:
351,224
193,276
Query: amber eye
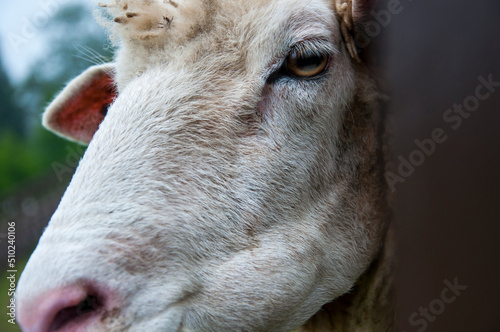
306,65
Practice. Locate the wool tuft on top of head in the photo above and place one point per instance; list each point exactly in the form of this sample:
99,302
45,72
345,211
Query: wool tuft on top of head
154,22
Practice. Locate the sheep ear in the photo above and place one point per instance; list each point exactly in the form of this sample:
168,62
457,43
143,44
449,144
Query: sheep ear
79,109
353,15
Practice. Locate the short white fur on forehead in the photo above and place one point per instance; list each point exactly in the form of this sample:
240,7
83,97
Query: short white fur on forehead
292,21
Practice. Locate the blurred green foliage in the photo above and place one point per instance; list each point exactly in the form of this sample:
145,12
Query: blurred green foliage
10,113
74,42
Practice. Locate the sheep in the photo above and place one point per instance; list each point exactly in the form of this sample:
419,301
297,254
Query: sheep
233,181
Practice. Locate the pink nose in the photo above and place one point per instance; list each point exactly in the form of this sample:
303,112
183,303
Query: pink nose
70,309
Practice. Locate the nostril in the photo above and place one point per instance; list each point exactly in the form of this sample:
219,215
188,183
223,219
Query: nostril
76,315
72,309
90,304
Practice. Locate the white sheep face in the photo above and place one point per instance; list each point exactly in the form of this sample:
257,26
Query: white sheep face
220,192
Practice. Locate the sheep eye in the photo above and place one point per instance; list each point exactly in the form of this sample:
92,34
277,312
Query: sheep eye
305,64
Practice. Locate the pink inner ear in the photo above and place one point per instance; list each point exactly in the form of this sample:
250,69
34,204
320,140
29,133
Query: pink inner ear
80,117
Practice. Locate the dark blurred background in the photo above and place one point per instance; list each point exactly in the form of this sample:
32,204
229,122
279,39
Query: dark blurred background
447,207
445,145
